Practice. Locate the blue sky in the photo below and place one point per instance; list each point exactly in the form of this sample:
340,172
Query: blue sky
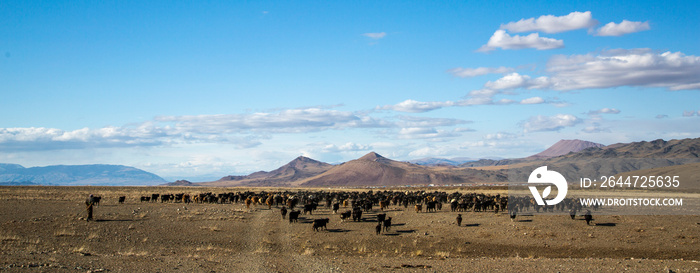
200,90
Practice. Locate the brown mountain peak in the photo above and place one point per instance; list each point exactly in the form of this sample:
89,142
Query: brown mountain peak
566,146
372,156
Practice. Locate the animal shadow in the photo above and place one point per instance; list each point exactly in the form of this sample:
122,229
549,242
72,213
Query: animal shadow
338,230
606,224
472,225
405,230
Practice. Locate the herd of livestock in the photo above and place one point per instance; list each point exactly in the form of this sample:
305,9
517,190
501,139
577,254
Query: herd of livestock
354,203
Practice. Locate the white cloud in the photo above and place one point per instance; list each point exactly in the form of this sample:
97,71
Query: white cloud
426,133
691,113
637,67
500,135
553,24
625,27
473,72
501,39
604,111
549,123
422,122
412,106
661,116
515,80
613,68
375,35
533,100
347,147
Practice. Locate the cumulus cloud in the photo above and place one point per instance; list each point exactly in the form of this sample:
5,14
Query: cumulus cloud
285,121
347,147
412,106
422,122
533,100
426,133
691,113
479,71
515,80
375,35
553,24
625,27
613,68
499,136
604,111
637,67
501,39
542,123
241,130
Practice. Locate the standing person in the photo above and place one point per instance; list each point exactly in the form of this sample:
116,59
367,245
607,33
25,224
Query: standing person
88,206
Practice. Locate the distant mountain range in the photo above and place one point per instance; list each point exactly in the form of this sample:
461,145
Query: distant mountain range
74,175
571,158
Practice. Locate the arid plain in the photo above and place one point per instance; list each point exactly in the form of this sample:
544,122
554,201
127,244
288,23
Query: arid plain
42,230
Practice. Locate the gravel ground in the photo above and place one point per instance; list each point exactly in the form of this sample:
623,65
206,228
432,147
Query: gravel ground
42,230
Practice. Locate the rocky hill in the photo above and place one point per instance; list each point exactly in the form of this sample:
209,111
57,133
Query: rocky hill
298,169
376,170
566,146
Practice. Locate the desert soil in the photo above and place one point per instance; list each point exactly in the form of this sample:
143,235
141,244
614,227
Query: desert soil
42,229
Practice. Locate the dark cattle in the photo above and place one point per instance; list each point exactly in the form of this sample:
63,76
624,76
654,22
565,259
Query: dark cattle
336,207
154,197
387,224
572,214
512,215
588,217
283,210
96,200
430,206
357,214
419,207
145,198
459,220
309,208
378,228
320,223
345,215
294,216
122,199
381,217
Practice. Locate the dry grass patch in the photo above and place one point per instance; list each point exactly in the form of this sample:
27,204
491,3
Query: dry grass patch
211,228
132,252
8,237
64,232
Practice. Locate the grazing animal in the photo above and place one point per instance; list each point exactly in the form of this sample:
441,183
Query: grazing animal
357,214
309,208
419,208
378,228
248,201
336,207
122,199
381,217
459,220
572,213
345,215
294,216
320,223
96,200
145,198
283,210
512,215
588,217
387,224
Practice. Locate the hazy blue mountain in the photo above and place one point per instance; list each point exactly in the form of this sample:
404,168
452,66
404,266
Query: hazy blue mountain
74,175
